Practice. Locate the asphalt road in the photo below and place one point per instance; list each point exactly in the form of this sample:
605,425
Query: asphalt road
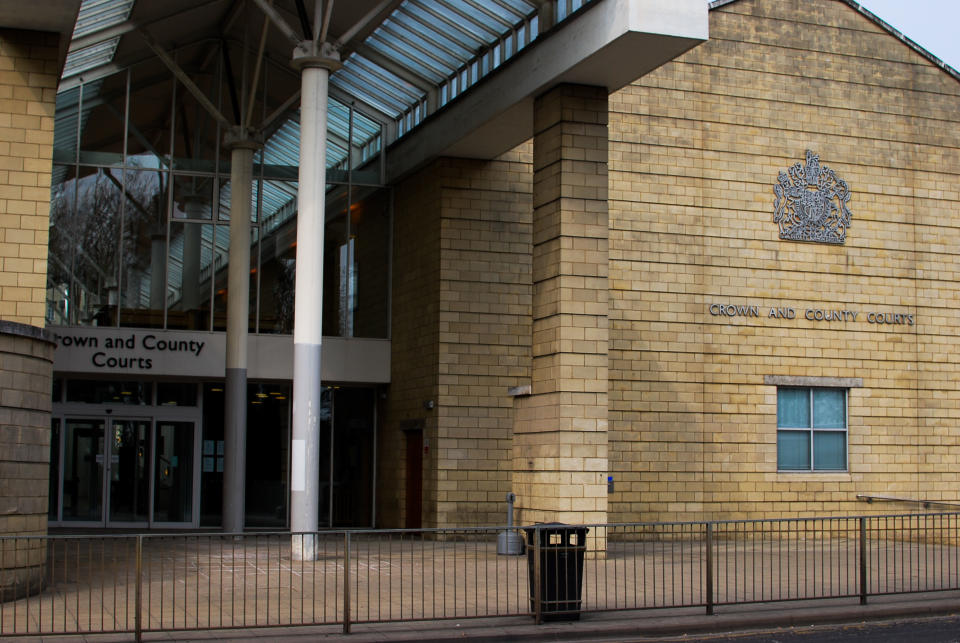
941,629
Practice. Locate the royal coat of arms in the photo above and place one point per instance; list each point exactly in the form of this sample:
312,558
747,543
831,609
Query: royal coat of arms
811,203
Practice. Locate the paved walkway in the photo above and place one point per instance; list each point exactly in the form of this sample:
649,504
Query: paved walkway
455,586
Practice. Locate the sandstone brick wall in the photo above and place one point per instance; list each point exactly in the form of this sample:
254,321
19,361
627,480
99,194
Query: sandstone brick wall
695,150
28,85
461,334
26,367
28,82
560,440
415,346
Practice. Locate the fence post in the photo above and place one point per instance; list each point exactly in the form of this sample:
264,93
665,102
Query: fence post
709,545
863,560
137,623
346,582
537,589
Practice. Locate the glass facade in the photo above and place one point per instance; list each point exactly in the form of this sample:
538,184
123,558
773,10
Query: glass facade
156,457
140,211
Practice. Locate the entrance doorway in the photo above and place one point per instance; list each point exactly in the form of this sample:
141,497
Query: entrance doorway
126,472
347,457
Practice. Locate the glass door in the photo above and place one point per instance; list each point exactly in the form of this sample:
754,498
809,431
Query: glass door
83,470
113,467
129,473
347,457
173,472
106,479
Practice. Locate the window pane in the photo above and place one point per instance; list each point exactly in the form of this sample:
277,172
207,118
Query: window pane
108,392
176,394
370,225
190,269
793,450
144,246
830,450
829,410
793,407
84,246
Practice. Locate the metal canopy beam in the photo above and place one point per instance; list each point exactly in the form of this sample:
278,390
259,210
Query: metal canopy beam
185,79
369,20
279,22
360,107
610,44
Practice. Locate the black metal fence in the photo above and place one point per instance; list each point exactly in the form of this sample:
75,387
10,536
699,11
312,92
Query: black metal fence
149,583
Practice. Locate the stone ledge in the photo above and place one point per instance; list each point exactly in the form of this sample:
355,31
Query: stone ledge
26,330
799,380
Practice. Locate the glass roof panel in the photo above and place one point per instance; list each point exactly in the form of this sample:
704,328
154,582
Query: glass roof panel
387,84
464,37
89,57
498,17
457,21
358,81
426,46
94,16
428,73
432,40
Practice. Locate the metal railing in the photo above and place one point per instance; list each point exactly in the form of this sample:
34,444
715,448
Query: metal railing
153,582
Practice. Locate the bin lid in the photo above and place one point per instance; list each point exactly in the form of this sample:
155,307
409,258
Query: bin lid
564,530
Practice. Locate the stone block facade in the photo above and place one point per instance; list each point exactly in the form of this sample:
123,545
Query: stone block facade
29,70
28,85
461,336
694,150
560,429
26,367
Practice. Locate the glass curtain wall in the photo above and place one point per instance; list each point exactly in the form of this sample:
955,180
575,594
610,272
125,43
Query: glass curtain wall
140,209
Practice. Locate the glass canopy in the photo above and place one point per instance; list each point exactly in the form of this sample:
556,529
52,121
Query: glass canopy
141,191
419,57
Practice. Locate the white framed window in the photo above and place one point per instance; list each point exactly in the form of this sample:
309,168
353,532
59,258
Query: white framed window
811,428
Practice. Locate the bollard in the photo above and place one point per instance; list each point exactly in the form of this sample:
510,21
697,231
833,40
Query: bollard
509,542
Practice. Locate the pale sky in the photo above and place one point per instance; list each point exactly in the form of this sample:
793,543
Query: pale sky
932,24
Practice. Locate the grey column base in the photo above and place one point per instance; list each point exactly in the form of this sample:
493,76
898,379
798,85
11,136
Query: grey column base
305,450
235,449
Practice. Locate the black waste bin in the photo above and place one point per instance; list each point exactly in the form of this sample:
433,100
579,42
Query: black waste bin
561,569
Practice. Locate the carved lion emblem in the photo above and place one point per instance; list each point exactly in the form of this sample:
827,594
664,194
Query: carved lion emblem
811,203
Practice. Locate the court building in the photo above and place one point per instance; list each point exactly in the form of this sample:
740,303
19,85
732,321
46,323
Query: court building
298,265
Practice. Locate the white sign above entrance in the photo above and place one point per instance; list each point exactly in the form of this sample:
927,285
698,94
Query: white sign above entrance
180,353
144,352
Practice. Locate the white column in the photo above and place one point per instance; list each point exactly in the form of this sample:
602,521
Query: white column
308,306
242,146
